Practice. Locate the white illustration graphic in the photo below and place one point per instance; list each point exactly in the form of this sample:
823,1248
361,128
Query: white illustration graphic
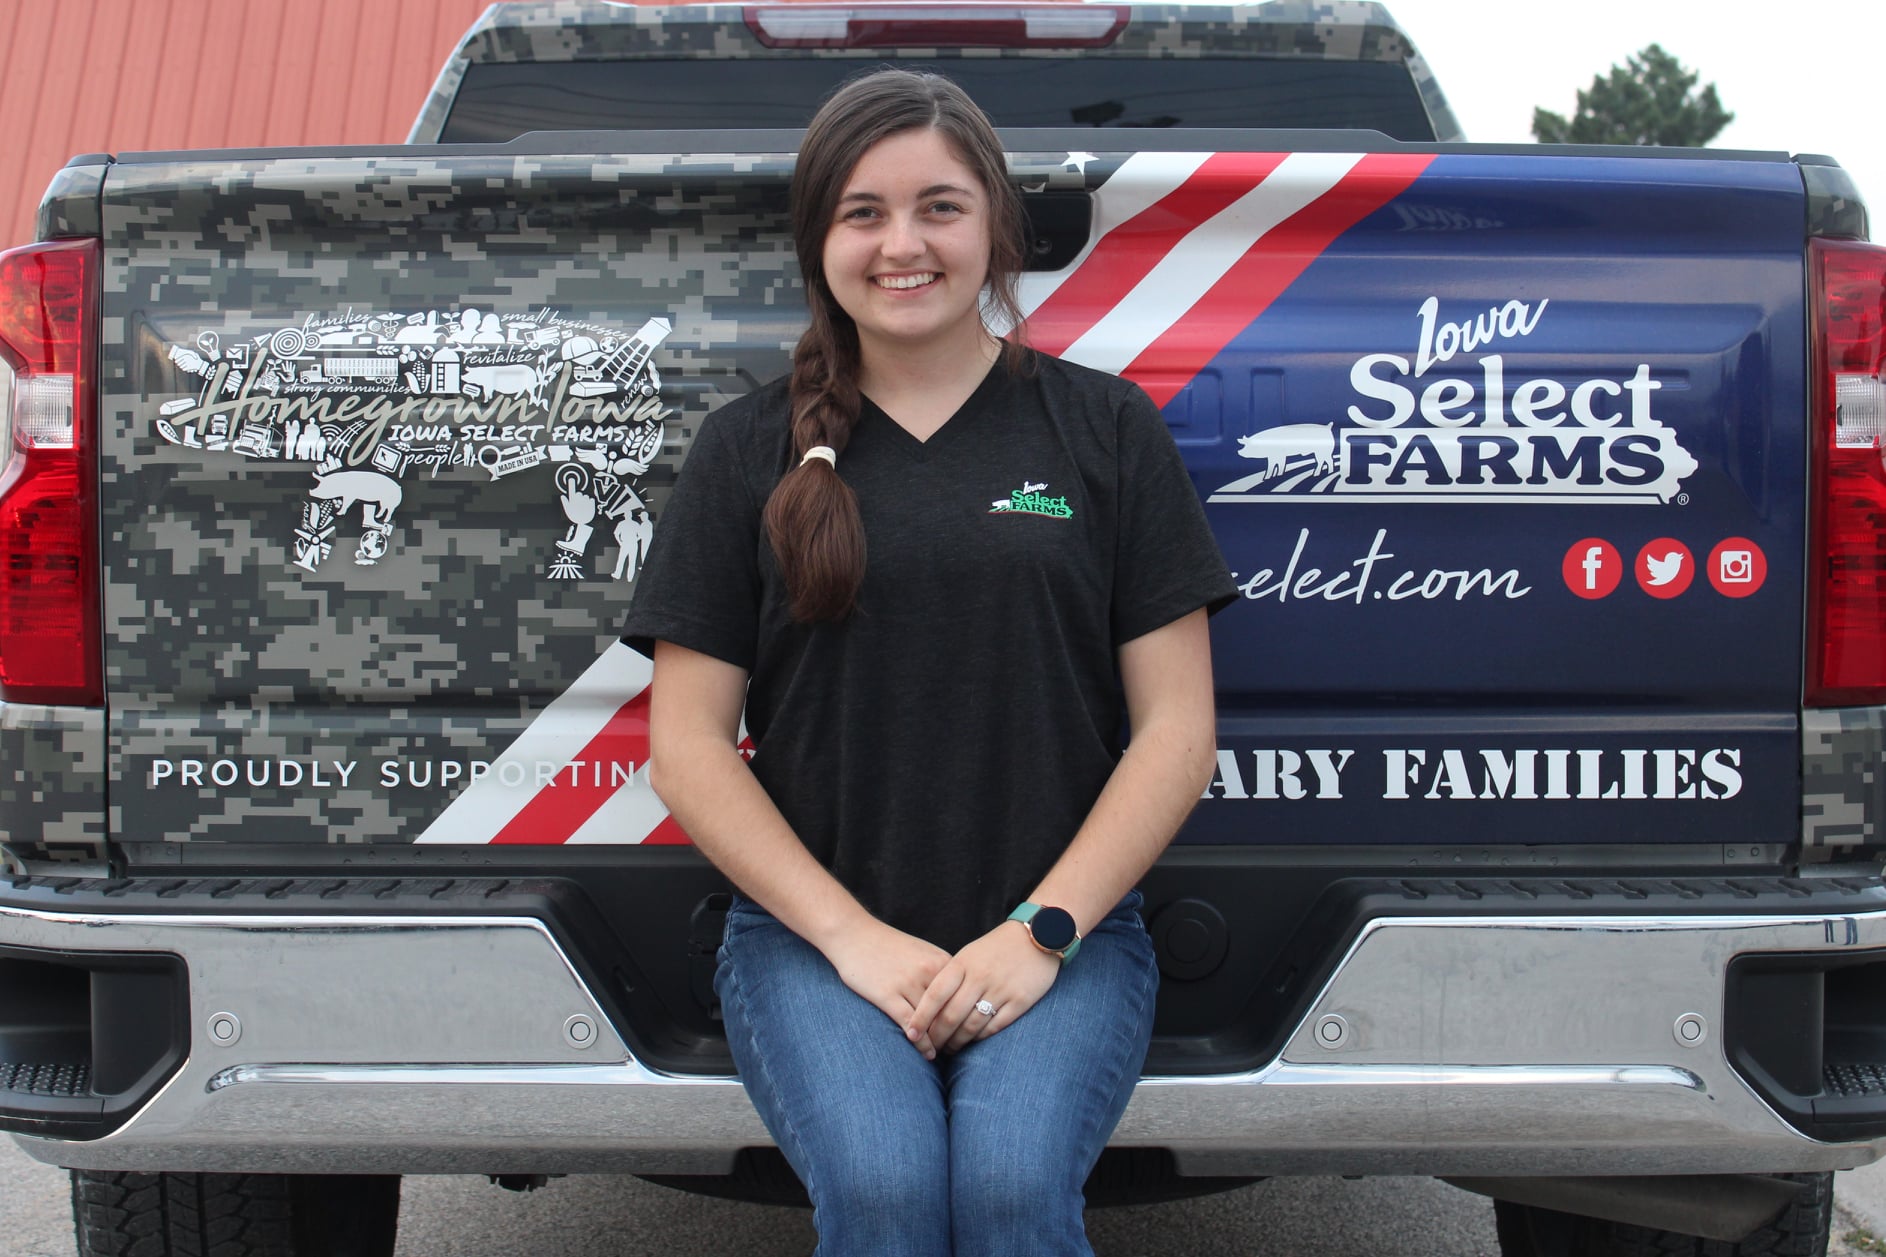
1736,567
371,400
1431,429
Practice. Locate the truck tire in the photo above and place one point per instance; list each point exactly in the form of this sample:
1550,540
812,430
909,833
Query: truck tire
234,1215
1800,1231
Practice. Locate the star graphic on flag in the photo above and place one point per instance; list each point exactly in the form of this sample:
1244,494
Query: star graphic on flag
1078,161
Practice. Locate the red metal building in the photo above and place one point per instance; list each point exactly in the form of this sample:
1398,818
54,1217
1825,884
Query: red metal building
112,76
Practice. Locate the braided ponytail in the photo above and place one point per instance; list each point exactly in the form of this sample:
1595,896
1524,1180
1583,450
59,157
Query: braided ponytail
812,517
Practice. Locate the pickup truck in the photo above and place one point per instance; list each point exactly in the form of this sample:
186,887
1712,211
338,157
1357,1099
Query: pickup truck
1543,853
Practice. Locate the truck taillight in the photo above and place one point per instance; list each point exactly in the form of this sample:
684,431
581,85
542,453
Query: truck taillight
941,25
50,649
1847,540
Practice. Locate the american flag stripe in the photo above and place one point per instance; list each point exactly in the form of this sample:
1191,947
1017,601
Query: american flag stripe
559,735
582,787
1121,257
1197,261
1142,181
1171,359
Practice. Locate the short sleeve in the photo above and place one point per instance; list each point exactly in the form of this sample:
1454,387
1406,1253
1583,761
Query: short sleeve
1167,563
700,585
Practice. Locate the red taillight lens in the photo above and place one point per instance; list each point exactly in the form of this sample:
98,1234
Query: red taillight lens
937,25
49,613
1847,547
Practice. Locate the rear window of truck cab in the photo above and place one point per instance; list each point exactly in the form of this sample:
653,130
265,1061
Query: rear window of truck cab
499,102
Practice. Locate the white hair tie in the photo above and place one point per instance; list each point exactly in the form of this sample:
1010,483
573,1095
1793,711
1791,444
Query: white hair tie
825,452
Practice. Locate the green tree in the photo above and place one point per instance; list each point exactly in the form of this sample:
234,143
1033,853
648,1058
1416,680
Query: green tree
1650,99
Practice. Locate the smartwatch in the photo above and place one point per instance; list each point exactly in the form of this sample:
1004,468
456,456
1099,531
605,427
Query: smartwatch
1051,929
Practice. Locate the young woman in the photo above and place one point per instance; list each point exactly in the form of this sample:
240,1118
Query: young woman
938,573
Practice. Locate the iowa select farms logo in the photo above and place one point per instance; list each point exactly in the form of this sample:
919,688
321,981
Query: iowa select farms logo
1432,429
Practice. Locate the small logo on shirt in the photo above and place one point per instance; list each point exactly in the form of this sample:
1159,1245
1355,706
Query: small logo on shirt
1030,500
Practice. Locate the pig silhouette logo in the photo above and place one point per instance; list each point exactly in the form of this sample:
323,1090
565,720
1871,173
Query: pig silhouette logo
369,401
1301,451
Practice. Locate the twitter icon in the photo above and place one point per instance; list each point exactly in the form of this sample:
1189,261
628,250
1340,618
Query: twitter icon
1665,567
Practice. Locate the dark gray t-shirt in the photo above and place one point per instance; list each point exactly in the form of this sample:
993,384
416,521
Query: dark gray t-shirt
938,750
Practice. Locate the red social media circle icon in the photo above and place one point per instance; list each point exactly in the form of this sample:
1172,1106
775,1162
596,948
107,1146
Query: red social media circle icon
1665,567
1737,567
1593,567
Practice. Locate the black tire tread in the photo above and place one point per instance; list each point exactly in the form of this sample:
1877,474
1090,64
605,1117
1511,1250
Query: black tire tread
129,1214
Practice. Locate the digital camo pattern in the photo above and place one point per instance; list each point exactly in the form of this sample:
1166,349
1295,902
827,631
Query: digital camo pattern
70,205
586,30
52,783
373,400
1843,778
254,698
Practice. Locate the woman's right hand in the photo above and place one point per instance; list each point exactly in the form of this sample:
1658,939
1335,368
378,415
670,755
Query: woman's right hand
889,968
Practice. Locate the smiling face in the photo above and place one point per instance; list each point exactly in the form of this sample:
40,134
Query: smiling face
907,251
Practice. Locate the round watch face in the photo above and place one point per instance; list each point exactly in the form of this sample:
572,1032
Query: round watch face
1053,928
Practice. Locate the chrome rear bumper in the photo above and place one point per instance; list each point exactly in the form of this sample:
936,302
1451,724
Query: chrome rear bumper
1515,1045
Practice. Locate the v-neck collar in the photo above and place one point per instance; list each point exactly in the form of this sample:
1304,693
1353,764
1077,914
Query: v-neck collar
902,438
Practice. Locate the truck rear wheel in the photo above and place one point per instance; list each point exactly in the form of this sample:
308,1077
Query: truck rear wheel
1800,1231
234,1215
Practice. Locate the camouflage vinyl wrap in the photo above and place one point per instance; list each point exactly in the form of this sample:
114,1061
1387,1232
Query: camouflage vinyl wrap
307,643
52,782
70,205
1843,779
583,30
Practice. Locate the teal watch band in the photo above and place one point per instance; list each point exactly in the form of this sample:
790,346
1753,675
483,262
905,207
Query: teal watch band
1051,929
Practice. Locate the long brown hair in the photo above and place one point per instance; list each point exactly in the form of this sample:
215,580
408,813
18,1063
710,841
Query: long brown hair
812,516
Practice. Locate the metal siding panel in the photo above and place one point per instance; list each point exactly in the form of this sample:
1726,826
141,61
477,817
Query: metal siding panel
28,72
372,65
214,106
126,75
181,64
419,49
298,72
333,85
138,75
259,60
105,52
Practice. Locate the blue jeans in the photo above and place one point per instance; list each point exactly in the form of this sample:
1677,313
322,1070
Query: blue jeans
977,1154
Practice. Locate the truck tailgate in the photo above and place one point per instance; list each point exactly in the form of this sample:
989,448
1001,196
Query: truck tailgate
1507,451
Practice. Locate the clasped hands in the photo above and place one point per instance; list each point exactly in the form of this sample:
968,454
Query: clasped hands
932,995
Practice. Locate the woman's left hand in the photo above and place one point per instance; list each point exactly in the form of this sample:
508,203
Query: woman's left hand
1004,967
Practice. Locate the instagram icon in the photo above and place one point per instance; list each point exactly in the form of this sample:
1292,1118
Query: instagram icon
1737,567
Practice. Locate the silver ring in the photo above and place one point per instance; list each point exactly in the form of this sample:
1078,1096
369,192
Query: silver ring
984,1007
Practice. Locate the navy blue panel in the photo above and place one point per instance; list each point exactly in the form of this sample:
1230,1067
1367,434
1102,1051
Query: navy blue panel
1417,515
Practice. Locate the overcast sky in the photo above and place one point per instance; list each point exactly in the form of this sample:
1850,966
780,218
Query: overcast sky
1802,77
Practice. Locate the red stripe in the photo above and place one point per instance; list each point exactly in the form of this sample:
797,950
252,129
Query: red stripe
557,811
1271,265
668,834
1129,252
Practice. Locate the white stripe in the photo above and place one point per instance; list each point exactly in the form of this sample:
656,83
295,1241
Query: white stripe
557,736
1201,259
629,815
632,813
1142,181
